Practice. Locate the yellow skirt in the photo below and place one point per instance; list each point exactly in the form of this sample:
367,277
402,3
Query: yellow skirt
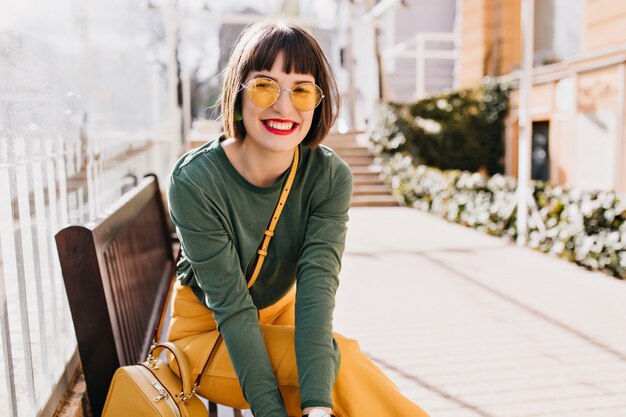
361,389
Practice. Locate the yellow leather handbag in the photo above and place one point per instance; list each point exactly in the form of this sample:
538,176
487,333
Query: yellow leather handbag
151,389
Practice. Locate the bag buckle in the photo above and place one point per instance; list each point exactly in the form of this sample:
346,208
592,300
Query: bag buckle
185,398
151,361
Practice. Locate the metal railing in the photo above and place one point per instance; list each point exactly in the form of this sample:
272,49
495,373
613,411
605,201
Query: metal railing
421,53
48,183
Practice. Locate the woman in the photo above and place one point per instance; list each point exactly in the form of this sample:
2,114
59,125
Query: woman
279,357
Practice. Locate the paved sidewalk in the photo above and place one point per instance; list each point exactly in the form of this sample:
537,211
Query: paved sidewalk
470,325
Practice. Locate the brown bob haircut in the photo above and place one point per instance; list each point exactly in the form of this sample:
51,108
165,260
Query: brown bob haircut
256,50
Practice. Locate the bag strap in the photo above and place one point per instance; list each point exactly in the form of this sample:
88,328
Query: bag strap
269,232
156,337
261,252
263,247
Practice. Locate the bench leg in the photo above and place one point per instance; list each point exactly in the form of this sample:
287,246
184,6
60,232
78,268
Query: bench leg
212,409
216,410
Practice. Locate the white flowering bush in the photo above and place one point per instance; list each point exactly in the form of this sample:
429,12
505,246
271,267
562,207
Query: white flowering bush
585,227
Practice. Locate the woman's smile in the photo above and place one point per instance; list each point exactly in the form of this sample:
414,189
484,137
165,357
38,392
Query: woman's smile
280,126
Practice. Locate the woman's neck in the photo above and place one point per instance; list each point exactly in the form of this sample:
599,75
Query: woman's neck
259,166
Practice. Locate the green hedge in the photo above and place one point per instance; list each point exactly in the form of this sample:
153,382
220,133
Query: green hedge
462,129
588,228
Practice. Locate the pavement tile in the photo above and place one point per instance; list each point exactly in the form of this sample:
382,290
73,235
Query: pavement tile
468,324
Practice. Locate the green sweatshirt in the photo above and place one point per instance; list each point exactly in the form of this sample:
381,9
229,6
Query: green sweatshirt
220,219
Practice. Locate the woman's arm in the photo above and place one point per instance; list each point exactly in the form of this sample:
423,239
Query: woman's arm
317,281
217,269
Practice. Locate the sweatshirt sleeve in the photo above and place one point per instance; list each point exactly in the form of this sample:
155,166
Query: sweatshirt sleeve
317,280
215,262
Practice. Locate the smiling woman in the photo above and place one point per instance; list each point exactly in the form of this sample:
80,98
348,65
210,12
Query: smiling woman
280,356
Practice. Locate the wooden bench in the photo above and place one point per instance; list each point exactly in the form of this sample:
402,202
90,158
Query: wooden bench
117,271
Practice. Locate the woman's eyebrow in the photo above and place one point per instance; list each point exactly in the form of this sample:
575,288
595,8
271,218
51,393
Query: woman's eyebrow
274,79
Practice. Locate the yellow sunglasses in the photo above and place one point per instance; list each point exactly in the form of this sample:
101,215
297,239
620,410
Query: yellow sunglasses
264,92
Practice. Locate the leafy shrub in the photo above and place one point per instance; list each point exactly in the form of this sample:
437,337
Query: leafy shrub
586,227
461,129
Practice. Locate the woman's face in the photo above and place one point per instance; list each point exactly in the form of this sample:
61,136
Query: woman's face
279,127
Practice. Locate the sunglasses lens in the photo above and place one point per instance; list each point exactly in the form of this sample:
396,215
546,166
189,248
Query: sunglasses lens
263,92
306,96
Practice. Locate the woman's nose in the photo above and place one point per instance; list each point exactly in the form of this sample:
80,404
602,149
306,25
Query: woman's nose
283,104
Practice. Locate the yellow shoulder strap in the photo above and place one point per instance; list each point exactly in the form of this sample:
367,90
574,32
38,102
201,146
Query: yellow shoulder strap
269,233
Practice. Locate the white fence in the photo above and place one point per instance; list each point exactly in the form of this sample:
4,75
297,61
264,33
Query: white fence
47,187
85,108
423,52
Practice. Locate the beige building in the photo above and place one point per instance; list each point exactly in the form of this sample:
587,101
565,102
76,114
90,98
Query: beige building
577,101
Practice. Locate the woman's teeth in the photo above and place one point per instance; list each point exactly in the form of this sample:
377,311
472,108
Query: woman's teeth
279,126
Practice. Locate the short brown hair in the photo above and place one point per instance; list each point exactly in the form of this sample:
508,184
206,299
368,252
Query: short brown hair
256,50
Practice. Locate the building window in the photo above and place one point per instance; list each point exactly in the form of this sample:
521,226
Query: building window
540,156
558,27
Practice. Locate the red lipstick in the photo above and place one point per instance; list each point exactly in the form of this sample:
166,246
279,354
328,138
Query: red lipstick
280,132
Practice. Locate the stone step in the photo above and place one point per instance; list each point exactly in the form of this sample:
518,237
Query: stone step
342,136
196,143
362,161
371,189
365,170
374,201
367,180
341,143
340,139
341,148
345,152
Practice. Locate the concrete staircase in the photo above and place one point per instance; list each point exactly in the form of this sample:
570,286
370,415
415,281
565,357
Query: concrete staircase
369,190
